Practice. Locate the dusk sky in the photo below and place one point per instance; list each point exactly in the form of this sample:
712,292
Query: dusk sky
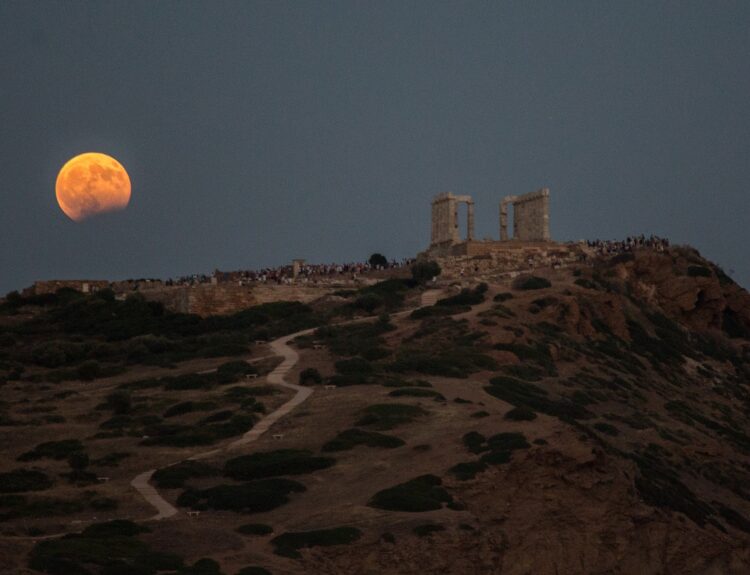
258,132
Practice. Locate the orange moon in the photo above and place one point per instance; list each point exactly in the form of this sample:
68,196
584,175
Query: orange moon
91,184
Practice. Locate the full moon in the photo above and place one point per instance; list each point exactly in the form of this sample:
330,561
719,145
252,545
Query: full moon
91,184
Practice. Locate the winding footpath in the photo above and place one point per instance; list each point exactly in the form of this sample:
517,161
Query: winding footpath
280,346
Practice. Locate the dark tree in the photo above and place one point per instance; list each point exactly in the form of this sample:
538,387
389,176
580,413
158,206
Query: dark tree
377,259
423,272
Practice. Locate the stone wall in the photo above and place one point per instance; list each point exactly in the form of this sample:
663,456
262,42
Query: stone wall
226,298
51,286
482,258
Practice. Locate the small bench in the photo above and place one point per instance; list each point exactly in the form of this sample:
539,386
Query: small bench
193,513
329,387
278,436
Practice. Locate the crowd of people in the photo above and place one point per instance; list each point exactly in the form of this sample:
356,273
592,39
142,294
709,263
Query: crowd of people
629,244
286,274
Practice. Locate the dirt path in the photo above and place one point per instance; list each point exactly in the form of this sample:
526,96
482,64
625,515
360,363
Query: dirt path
290,357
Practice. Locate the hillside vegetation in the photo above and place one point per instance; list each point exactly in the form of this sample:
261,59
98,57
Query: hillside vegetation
591,419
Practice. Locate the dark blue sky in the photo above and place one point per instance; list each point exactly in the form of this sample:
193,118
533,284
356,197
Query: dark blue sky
256,132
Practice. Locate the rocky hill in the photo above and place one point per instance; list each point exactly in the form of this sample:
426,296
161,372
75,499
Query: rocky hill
588,419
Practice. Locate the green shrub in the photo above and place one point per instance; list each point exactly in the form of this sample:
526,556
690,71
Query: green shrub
112,547
189,381
181,408
53,450
416,392
176,475
253,570
20,480
51,354
369,302
362,339
424,271
203,566
497,450
241,393
398,382
606,428
111,459
217,416
428,529
520,414
186,436
119,402
733,518
457,361
466,297
522,394
385,416
354,366
496,458
353,437
586,283
255,529
507,442
473,441
467,470
480,414
390,292
115,528
660,486
524,371
288,543
231,371
274,463
502,297
422,493
103,504
699,272
310,376
78,461
89,370
250,497
438,311
531,283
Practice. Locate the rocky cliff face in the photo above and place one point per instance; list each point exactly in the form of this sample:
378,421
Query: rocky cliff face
689,289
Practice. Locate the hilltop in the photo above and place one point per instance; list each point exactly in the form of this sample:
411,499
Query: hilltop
591,417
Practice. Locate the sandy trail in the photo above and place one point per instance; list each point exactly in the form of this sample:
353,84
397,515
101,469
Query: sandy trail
290,357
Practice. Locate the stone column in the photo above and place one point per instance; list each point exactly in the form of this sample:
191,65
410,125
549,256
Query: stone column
469,221
545,214
455,236
504,220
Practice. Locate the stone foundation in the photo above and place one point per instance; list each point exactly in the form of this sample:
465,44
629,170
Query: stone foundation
223,299
489,257
51,286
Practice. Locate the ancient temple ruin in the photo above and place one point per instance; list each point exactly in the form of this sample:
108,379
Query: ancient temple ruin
530,216
445,229
530,221
523,245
